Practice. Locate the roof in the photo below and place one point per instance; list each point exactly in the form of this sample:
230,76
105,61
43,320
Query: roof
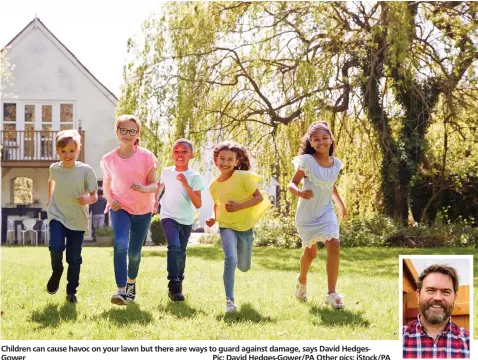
33,24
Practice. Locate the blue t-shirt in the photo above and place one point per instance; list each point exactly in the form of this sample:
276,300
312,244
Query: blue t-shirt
175,202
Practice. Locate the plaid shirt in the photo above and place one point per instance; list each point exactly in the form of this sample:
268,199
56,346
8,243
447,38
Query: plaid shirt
452,342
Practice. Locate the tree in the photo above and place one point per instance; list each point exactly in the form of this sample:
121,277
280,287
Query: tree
261,72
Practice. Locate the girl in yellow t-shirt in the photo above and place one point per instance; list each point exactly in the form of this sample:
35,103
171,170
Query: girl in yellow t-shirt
238,205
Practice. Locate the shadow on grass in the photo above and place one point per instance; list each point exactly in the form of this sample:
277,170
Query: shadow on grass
180,309
246,313
334,317
52,316
125,315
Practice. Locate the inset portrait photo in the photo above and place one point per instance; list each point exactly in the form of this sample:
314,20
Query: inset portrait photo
436,293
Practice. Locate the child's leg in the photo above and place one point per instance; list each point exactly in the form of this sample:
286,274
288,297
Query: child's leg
139,231
121,222
184,233
171,231
305,261
229,246
333,257
244,249
74,241
56,246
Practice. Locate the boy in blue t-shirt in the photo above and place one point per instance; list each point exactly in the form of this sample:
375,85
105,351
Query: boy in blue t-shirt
182,194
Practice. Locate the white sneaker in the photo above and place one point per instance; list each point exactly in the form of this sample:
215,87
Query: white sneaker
301,291
335,300
230,306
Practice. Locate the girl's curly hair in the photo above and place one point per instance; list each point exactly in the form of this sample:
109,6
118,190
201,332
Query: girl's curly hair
241,153
306,147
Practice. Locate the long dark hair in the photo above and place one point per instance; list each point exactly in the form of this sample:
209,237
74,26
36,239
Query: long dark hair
306,147
241,153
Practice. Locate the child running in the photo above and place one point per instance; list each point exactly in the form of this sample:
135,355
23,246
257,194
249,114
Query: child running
315,217
129,184
182,194
71,187
238,205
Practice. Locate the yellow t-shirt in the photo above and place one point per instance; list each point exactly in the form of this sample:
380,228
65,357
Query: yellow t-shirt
238,188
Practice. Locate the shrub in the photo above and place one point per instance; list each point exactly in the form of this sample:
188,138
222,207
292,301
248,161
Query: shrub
211,238
366,232
157,233
278,231
104,231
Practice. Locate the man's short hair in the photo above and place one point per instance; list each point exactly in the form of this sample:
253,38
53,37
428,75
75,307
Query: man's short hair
442,269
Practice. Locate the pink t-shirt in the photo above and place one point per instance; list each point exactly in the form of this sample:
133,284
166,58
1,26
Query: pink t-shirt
123,173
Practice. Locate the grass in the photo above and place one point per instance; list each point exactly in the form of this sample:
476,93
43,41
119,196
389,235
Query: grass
265,295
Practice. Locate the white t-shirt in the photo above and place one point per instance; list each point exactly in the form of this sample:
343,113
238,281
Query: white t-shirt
175,202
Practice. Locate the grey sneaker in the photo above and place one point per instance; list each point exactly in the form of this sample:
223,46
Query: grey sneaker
230,306
130,291
119,298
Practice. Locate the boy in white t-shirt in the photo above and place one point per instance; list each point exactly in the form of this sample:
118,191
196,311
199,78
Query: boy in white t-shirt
182,194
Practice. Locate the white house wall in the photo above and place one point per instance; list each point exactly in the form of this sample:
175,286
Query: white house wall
46,71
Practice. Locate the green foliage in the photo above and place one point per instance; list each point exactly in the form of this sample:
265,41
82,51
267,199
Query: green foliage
157,233
210,239
104,231
277,231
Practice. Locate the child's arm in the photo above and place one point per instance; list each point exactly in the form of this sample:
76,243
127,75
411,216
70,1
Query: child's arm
293,186
195,196
212,220
157,194
152,183
340,204
90,199
257,198
51,188
108,193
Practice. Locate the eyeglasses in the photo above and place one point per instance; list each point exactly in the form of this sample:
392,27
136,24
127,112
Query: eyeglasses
124,131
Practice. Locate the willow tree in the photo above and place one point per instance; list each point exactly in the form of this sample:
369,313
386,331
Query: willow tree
261,72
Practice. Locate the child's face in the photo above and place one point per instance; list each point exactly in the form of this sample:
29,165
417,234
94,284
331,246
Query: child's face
68,154
321,141
226,161
182,153
127,132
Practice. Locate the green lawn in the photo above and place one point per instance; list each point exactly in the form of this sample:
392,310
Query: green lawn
265,296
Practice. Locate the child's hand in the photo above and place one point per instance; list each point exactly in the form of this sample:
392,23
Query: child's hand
342,213
182,179
232,206
156,205
306,194
48,202
210,222
83,200
138,187
116,205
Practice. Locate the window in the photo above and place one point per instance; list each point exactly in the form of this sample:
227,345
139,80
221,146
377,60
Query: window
66,116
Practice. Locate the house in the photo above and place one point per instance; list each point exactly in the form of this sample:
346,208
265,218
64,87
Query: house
51,91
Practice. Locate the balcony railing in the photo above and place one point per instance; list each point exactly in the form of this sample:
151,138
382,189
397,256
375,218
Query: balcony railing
31,146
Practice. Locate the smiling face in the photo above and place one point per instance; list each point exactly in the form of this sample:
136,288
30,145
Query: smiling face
182,153
68,154
226,161
321,141
436,298
127,132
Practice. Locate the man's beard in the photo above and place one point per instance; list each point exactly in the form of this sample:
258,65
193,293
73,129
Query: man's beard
432,316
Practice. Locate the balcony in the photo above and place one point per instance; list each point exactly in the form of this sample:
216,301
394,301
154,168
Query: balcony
31,149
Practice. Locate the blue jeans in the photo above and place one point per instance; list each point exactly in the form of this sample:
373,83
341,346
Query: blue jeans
178,236
129,234
74,240
237,247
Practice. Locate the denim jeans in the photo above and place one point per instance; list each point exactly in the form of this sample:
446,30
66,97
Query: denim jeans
74,240
237,247
178,236
129,234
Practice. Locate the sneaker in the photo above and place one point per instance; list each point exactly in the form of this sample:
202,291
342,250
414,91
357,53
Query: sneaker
230,306
54,282
130,291
301,291
335,300
71,298
119,298
174,292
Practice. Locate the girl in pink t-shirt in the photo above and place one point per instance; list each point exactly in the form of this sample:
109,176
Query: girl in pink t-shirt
129,184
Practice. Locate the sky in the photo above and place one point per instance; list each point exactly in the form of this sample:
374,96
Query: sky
96,32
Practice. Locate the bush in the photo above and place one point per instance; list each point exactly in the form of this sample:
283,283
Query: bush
157,233
104,231
366,232
211,238
278,231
